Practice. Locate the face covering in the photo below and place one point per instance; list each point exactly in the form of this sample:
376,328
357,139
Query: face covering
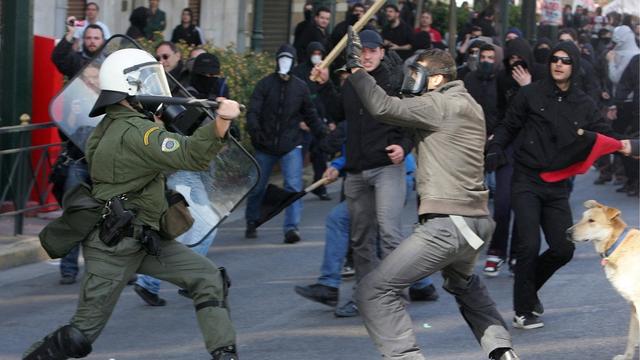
203,84
284,65
485,68
541,55
316,59
472,62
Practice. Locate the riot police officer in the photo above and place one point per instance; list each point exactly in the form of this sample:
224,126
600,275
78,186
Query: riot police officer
128,154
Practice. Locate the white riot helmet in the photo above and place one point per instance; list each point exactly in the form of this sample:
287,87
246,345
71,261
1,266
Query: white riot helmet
129,72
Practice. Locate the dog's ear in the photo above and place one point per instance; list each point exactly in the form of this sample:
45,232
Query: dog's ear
592,204
612,213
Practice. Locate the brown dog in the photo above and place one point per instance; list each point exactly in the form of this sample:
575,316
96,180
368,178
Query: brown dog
619,247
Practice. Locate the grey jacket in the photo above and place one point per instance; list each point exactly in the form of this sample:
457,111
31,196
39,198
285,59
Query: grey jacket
449,135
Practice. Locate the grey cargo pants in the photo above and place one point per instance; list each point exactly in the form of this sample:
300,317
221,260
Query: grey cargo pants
433,246
109,268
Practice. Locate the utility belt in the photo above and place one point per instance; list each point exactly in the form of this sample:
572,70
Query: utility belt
117,223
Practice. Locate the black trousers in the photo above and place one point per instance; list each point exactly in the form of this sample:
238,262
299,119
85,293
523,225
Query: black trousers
499,245
538,205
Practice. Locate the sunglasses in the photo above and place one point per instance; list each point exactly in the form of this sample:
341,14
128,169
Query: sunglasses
565,60
163,57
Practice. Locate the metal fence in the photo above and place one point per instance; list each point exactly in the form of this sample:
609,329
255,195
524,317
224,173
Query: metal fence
28,168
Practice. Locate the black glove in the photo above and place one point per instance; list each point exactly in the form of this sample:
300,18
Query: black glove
354,49
495,158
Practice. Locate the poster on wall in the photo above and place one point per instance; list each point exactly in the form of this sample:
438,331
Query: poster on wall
551,12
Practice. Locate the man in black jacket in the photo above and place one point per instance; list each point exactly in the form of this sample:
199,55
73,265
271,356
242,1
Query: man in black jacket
375,166
69,63
315,30
278,103
542,123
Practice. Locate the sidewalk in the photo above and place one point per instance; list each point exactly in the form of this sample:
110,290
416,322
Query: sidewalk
17,250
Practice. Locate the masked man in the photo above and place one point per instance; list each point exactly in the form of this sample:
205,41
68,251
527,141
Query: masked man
278,103
128,155
449,133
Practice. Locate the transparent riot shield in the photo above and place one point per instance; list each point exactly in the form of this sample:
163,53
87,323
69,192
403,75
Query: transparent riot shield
212,195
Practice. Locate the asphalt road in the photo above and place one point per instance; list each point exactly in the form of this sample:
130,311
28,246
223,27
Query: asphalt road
585,319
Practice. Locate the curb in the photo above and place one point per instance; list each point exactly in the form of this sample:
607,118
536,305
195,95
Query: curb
23,250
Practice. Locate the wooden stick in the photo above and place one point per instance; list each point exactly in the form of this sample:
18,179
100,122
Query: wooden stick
343,42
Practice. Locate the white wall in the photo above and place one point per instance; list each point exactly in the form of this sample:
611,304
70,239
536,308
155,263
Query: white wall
218,18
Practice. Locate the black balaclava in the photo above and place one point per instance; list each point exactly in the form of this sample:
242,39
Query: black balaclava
541,55
314,46
205,64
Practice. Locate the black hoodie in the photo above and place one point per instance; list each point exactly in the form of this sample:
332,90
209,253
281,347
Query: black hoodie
323,96
507,86
542,120
275,110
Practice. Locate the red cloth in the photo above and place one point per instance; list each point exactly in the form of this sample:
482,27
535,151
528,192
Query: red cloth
435,34
603,145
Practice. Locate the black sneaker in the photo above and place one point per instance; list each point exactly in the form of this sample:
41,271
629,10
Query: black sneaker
251,232
503,354
185,293
427,293
225,353
347,271
67,279
527,322
149,297
319,293
538,309
349,309
291,237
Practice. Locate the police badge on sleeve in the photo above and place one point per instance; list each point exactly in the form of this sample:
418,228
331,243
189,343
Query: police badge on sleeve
170,145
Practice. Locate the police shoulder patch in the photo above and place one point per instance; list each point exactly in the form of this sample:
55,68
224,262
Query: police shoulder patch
170,144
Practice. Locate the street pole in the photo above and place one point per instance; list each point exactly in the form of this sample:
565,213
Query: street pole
257,36
453,26
504,20
529,20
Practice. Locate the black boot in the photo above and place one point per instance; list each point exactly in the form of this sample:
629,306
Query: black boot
225,353
62,344
427,293
319,293
251,232
503,354
149,297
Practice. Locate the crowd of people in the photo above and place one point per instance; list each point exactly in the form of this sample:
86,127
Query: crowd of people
394,93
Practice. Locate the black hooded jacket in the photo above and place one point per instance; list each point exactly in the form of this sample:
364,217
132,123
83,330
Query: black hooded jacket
275,110
367,138
507,86
543,120
323,96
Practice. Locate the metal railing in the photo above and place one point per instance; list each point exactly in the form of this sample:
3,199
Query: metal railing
28,174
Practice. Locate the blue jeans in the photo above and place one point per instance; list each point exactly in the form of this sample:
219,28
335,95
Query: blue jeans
78,172
199,237
291,165
336,244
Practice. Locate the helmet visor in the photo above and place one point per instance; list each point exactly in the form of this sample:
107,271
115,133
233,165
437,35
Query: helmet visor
149,79
415,78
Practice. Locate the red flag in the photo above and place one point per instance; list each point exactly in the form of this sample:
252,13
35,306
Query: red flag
602,145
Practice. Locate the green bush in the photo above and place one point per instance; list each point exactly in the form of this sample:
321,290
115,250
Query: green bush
241,70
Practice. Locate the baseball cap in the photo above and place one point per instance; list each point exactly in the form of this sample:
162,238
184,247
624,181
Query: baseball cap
370,39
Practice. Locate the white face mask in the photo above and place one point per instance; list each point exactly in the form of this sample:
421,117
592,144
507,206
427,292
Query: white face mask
316,59
284,65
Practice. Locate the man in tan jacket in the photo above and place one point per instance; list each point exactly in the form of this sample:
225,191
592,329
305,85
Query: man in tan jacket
449,133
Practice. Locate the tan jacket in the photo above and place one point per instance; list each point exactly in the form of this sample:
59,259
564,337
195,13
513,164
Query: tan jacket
449,135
